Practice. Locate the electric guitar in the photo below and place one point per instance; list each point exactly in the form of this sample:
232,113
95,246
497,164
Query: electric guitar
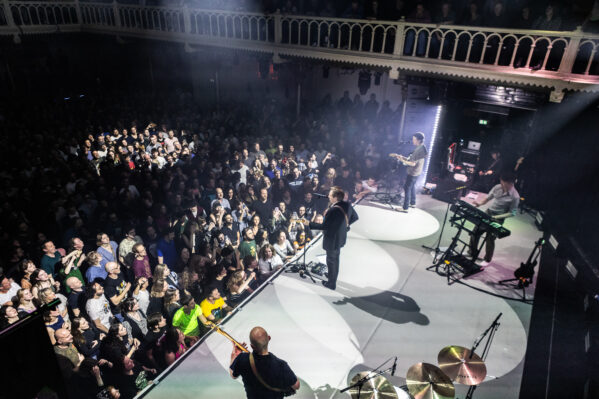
527,270
400,158
226,335
288,392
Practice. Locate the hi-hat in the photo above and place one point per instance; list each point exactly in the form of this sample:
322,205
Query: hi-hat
376,387
462,367
426,381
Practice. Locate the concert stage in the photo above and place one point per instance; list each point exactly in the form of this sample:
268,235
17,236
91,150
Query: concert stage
387,304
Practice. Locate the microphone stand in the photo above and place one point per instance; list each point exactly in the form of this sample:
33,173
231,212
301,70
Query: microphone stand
490,334
302,269
360,383
437,247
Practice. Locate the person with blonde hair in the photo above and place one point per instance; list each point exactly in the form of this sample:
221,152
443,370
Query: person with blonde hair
162,271
95,269
239,287
25,298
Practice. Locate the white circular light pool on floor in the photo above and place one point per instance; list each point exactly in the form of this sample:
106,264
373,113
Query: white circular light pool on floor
381,223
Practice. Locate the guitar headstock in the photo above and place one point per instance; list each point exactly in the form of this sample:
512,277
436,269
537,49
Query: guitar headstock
212,325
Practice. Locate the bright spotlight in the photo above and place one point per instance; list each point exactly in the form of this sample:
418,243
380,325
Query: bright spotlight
432,142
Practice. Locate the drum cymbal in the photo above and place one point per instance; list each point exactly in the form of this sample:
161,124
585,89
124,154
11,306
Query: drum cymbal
377,387
456,362
426,381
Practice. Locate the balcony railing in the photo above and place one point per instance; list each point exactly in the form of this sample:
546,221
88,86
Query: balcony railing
563,55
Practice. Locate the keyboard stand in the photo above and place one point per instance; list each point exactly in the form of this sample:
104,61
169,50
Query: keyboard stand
459,256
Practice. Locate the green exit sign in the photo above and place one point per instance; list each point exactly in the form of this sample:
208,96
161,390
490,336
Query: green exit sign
483,122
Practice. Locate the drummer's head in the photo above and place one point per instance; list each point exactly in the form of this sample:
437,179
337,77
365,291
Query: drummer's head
336,194
259,340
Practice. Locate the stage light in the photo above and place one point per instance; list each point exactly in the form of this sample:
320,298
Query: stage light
432,142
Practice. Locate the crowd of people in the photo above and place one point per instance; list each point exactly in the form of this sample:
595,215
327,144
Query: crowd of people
147,233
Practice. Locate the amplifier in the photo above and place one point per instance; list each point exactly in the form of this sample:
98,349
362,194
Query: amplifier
449,190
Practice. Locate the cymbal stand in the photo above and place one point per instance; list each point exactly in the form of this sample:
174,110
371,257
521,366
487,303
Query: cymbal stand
360,383
490,334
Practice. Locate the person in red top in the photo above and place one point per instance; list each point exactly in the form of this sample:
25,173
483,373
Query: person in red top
141,263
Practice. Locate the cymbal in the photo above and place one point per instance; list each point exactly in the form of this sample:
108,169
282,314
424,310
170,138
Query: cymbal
456,362
426,381
377,387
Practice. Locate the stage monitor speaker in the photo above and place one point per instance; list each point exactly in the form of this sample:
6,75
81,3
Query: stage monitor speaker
449,190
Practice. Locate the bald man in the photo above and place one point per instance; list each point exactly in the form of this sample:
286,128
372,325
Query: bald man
115,286
75,299
275,375
67,355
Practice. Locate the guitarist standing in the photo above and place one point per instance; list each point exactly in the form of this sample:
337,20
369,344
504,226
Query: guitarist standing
264,375
414,164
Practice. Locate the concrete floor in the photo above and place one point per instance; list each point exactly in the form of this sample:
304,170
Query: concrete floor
386,304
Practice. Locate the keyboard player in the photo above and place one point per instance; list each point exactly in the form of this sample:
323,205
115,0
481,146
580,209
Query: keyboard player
504,201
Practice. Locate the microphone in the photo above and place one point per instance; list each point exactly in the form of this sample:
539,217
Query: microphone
497,319
394,367
318,195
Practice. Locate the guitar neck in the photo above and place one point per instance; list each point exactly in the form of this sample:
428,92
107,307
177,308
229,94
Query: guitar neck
230,338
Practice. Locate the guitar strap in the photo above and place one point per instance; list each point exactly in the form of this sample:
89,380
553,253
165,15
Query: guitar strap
344,214
255,371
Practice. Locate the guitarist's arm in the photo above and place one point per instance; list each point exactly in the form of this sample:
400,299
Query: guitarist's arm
406,161
236,351
403,159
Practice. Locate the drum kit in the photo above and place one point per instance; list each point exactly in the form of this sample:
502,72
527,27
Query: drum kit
427,381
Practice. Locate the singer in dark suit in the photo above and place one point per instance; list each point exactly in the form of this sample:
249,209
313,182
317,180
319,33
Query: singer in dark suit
337,219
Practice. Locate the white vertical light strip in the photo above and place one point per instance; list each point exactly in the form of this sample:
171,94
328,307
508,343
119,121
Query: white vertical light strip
432,142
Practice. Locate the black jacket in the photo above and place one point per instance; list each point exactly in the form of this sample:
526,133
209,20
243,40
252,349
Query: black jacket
334,225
